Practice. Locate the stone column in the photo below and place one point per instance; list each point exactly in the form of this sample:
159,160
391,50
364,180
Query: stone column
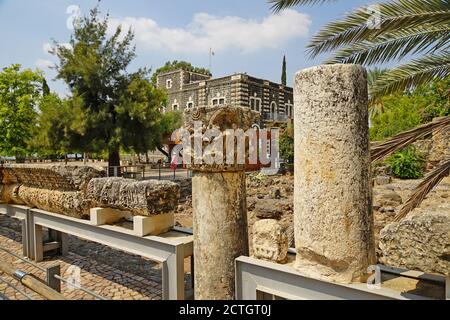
332,201
220,232
219,204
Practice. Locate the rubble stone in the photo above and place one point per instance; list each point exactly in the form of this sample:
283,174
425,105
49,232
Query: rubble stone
419,242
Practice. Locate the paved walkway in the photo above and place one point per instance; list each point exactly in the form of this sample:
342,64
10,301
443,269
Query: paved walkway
110,273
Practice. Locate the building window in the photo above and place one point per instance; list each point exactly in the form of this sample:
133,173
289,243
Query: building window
273,110
169,84
289,109
255,104
218,101
175,107
190,105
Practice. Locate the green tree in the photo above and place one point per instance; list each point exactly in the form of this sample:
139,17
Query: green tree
283,72
402,112
20,92
55,133
175,65
170,122
119,110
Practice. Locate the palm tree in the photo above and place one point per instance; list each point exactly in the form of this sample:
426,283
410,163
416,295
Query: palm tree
385,32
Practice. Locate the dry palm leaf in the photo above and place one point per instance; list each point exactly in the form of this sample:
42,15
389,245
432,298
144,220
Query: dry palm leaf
428,184
400,141
381,150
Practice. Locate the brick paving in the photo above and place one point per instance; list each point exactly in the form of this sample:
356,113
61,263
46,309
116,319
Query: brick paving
113,274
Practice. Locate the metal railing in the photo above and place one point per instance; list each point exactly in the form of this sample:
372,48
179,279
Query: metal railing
53,278
147,172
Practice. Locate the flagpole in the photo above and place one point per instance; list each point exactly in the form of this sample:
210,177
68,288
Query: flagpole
210,59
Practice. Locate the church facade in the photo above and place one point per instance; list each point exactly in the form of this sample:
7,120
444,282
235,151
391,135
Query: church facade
189,90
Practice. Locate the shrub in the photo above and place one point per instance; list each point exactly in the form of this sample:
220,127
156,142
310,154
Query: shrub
287,145
257,177
407,164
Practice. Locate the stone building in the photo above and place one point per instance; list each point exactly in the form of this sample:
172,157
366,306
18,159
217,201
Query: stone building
189,90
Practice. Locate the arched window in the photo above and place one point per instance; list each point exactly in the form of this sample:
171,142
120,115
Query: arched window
169,84
273,110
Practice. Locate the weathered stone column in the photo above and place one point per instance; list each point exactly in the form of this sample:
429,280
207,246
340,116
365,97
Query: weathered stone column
219,206
332,201
220,232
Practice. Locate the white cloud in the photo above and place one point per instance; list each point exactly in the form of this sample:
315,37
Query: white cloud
220,33
48,47
44,64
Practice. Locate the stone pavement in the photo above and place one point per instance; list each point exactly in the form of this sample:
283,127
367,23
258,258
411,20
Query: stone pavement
110,273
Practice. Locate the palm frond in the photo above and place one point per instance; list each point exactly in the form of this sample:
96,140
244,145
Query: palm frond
412,74
278,5
424,188
395,45
376,106
392,16
400,141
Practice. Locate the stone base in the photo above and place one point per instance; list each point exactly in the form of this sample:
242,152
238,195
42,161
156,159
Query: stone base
153,225
142,226
102,216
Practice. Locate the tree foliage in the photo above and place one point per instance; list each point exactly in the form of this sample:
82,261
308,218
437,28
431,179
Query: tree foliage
118,109
57,131
175,65
20,93
283,72
287,144
402,112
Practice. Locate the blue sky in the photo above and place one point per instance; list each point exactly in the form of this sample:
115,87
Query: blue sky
244,34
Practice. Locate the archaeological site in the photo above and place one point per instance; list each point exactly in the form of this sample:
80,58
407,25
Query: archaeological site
327,230
177,185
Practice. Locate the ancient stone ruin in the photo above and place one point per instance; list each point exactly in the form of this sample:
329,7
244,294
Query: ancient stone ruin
270,241
140,198
419,242
74,191
332,200
219,204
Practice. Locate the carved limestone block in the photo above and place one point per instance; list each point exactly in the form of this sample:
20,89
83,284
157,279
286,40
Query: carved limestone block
270,241
143,198
214,138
